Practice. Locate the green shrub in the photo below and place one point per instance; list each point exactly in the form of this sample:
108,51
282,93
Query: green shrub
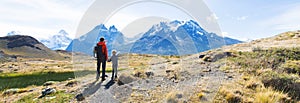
283,82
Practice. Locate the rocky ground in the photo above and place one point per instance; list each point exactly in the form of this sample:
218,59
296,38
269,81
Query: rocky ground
211,76
166,79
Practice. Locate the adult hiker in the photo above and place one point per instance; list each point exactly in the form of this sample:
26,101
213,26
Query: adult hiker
101,53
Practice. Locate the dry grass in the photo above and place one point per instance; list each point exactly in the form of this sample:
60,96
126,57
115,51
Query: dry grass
268,95
173,97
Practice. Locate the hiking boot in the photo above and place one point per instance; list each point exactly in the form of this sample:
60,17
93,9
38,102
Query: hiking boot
103,79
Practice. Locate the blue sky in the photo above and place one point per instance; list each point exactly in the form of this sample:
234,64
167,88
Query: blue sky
41,18
252,19
241,19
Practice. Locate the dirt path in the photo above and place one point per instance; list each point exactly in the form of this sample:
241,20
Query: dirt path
191,80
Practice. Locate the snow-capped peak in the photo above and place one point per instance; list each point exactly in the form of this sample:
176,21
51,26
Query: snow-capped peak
101,27
113,29
63,32
58,41
14,33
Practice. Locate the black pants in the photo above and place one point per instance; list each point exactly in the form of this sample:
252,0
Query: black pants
103,61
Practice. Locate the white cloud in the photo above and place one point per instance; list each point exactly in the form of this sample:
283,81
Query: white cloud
40,18
226,34
242,18
212,18
285,21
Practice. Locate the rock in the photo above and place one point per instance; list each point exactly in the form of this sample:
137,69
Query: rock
125,79
47,91
14,91
13,57
149,74
71,83
207,59
168,71
201,56
79,97
175,62
216,56
179,96
10,91
49,83
229,76
206,70
1,71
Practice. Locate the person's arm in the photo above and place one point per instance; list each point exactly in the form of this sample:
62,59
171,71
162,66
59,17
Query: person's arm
94,52
109,59
106,56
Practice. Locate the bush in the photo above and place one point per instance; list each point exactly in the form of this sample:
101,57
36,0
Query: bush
291,67
267,95
283,82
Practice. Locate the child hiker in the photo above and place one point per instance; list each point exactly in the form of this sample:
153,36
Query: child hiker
114,60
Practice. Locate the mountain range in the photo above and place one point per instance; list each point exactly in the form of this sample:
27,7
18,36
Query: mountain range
59,41
166,38
26,47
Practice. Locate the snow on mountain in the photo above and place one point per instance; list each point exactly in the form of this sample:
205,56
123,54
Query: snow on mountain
59,41
86,43
14,33
178,38
166,38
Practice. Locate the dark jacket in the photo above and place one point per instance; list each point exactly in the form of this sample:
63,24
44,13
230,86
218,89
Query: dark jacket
104,49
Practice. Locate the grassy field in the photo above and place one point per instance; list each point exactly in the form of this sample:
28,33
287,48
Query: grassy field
21,80
268,76
58,97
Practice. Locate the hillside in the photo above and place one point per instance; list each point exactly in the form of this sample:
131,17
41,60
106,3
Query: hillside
26,47
248,72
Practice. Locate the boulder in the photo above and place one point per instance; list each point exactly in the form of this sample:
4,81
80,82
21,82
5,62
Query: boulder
149,74
79,97
49,83
125,79
47,91
216,56
201,56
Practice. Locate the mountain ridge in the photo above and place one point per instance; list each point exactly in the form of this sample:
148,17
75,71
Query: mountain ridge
59,41
27,47
192,37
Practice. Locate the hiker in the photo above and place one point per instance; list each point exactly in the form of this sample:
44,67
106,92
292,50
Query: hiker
114,60
101,53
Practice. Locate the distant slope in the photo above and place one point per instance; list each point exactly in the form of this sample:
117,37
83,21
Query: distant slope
26,46
287,40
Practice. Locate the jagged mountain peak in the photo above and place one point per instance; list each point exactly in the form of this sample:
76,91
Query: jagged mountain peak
113,29
14,33
165,38
63,32
101,27
59,41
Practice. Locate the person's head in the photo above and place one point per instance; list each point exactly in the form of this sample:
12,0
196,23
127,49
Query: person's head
114,52
101,39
